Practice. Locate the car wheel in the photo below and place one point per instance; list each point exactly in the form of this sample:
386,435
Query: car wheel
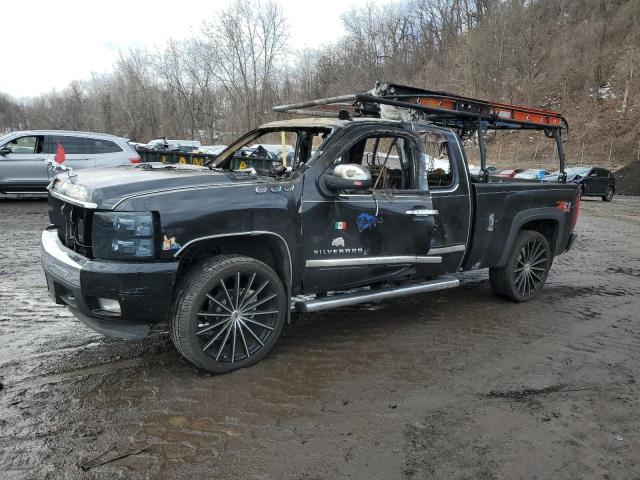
608,196
526,270
228,313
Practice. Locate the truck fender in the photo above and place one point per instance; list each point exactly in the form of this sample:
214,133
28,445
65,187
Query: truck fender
286,266
533,214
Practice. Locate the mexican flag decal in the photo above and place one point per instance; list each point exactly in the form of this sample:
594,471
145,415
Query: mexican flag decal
341,225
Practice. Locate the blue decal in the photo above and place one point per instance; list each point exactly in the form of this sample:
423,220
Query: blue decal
367,222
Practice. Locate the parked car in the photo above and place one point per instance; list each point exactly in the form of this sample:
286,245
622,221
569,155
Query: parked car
24,156
223,255
509,173
186,146
532,174
593,181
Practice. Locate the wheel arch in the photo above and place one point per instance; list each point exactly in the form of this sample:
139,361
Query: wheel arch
548,221
267,247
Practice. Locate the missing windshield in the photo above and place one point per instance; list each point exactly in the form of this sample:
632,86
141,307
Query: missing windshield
271,151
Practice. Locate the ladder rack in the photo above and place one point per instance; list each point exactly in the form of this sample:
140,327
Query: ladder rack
439,108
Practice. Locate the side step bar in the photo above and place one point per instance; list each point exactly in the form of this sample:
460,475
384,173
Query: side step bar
343,300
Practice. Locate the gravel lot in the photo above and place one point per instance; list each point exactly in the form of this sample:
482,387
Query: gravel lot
450,385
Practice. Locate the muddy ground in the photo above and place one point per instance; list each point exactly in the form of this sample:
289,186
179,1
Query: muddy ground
456,384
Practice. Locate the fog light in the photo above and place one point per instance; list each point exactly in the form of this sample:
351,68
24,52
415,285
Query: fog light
109,305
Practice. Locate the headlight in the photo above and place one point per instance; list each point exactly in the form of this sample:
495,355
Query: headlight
124,235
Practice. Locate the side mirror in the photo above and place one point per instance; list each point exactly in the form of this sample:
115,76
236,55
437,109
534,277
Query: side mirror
5,151
348,177
577,177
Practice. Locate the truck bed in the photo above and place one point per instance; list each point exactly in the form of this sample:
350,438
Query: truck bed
502,209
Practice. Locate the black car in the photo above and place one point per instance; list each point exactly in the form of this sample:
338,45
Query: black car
593,181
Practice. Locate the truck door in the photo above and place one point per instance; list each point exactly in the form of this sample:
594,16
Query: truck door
359,238
22,165
449,186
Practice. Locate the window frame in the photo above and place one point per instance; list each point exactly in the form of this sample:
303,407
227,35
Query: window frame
39,141
413,170
52,140
452,167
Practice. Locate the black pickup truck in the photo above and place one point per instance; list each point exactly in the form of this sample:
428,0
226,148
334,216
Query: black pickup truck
368,208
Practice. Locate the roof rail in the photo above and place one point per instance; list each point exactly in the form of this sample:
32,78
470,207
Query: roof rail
441,108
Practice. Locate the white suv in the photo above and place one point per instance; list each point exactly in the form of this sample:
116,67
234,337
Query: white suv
24,155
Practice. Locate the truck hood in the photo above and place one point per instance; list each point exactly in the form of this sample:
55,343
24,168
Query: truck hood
105,187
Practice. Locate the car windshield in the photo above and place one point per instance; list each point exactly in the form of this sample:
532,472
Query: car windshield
4,138
262,150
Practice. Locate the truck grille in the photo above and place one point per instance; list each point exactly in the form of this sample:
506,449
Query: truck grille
74,225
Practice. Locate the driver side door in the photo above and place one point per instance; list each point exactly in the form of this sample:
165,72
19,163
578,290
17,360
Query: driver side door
23,167
356,238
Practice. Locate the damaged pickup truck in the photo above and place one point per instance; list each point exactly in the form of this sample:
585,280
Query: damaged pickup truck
377,202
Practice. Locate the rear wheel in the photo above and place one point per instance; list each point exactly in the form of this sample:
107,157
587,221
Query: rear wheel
608,196
229,312
526,270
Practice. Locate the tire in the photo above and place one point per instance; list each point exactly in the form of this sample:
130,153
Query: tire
526,270
608,196
228,313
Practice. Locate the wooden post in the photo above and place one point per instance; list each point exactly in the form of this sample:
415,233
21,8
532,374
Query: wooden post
610,151
582,153
535,154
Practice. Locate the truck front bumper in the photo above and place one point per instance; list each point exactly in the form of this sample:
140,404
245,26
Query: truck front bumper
143,289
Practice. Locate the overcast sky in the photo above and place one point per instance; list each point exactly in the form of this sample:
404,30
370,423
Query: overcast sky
46,44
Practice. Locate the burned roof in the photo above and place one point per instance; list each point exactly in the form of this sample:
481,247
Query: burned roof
321,122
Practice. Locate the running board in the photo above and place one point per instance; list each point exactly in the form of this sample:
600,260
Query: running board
343,300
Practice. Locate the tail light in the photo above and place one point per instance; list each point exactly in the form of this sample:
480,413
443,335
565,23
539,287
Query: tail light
576,210
135,160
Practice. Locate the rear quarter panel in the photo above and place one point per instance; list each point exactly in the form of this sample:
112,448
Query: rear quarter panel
512,205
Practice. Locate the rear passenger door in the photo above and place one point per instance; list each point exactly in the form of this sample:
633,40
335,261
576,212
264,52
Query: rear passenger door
591,182
449,186
602,177
77,152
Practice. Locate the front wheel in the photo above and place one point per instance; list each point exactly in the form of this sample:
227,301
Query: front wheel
608,196
228,313
526,270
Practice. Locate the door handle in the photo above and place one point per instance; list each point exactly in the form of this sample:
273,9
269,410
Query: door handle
422,212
